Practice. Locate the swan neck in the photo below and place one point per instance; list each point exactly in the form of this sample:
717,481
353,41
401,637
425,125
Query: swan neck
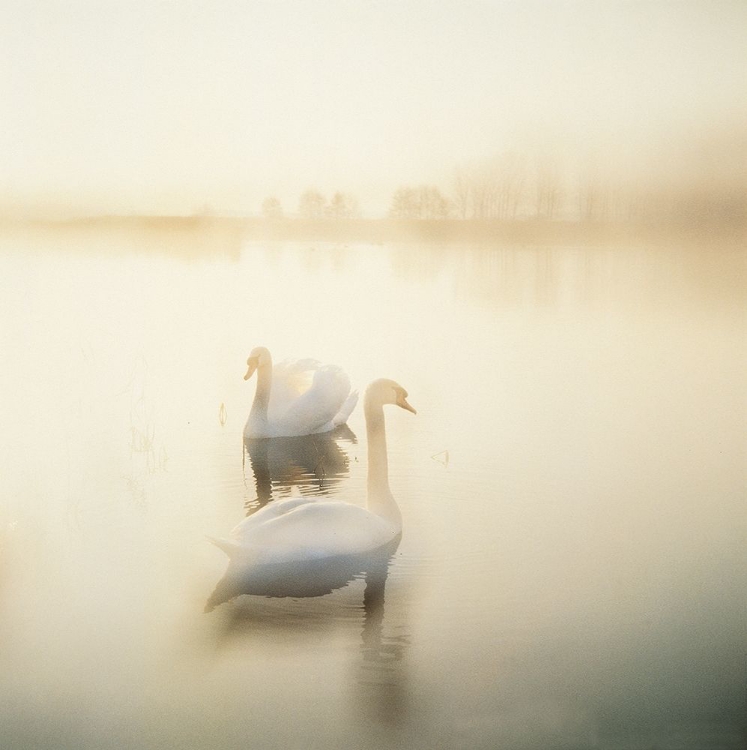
262,394
380,499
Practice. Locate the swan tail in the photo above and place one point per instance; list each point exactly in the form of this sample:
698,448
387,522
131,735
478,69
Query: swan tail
346,409
230,548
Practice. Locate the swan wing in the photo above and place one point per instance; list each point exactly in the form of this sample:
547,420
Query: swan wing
315,410
290,379
319,529
272,510
346,409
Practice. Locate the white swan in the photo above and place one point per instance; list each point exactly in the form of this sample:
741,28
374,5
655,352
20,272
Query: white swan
306,529
286,406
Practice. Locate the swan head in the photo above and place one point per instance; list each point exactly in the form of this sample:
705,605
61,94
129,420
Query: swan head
259,357
384,391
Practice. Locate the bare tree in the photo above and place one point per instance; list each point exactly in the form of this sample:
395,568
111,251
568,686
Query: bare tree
311,204
482,192
352,206
431,203
271,208
492,190
424,202
548,189
404,204
462,191
511,179
343,206
593,196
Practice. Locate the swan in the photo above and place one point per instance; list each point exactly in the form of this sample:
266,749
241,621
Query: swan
282,408
304,529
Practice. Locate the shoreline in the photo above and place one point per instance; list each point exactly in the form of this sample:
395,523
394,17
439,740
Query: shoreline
532,232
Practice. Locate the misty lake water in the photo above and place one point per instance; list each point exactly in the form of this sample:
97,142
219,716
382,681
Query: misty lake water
571,572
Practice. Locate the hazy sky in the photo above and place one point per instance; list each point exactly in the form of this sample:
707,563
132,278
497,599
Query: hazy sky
147,105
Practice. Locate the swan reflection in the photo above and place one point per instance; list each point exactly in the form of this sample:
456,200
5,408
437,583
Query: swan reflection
378,677
382,690
306,578
315,463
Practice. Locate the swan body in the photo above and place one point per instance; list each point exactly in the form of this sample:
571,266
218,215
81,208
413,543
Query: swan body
307,529
286,404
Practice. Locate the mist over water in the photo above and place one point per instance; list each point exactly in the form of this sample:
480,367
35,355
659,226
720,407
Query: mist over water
162,109
571,569
531,215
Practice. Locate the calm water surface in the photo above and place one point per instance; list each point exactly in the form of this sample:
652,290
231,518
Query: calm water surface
572,568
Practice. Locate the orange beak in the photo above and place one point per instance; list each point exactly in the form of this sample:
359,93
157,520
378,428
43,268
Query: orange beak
402,401
252,367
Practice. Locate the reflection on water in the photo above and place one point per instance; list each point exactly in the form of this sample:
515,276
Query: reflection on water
379,675
314,463
565,277
382,683
300,579
571,570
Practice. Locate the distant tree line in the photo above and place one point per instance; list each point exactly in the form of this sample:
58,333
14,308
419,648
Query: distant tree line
499,188
701,181
705,181
424,202
313,205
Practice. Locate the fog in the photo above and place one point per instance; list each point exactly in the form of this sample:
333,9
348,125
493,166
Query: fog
179,108
571,568
529,215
